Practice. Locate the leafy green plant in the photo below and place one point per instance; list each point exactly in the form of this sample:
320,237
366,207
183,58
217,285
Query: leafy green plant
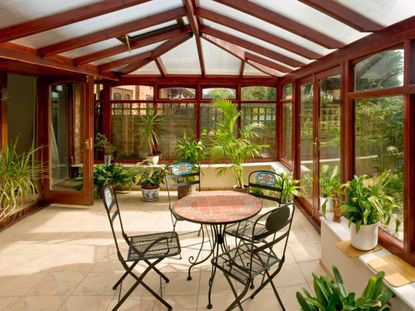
192,151
333,296
102,143
329,184
18,175
366,200
114,174
291,187
149,176
227,145
151,123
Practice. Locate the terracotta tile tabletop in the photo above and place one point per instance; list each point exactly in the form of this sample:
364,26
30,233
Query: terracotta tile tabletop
217,207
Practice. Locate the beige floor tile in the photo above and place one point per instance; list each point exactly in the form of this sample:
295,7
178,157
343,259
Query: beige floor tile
7,302
179,303
97,284
145,303
310,267
19,285
220,301
90,303
57,283
35,303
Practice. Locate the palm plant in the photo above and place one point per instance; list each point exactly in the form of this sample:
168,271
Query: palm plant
192,151
227,145
151,123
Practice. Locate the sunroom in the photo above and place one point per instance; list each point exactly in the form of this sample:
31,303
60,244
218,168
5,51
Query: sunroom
292,115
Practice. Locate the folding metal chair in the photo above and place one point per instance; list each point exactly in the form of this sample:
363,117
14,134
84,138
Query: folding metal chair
248,259
262,184
155,247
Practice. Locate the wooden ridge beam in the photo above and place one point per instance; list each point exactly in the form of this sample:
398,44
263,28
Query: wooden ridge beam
238,53
111,32
64,18
345,15
266,62
27,55
251,46
256,33
283,22
157,52
134,44
161,67
123,61
194,24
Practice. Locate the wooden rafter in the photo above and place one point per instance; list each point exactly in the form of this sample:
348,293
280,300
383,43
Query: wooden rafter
134,44
27,55
112,32
284,22
161,67
123,61
242,68
266,62
64,18
251,46
345,15
257,33
162,49
239,53
194,24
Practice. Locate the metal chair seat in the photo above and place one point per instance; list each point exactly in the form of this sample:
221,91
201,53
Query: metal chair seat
243,230
151,246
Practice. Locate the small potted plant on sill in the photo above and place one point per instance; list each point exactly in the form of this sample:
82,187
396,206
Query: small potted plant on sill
151,123
331,295
291,187
102,143
365,207
227,145
149,177
329,187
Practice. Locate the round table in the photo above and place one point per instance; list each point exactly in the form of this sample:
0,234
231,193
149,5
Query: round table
217,209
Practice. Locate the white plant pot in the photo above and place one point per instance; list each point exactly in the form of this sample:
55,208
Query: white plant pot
153,159
107,159
367,237
329,204
150,195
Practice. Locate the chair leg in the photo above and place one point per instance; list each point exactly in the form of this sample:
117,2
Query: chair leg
124,275
269,280
276,292
237,297
165,278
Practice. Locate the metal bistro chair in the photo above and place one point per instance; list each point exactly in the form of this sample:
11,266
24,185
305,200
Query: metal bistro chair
180,176
155,246
249,259
262,184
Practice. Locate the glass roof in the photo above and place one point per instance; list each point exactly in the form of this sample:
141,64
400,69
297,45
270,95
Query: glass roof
149,69
252,71
92,48
217,61
182,59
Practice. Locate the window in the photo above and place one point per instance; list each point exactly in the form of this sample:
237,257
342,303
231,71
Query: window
379,71
177,93
258,93
209,116
116,96
127,96
287,125
216,93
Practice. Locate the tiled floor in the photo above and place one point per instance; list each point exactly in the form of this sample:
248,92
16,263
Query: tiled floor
63,258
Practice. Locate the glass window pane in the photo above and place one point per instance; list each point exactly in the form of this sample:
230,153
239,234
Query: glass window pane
287,92
379,145
379,71
258,93
177,93
287,132
220,93
209,115
132,92
265,115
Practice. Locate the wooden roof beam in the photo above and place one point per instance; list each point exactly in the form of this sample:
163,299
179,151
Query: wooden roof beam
157,52
160,66
123,61
283,22
242,68
251,46
194,24
111,32
238,53
134,44
256,33
64,18
266,62
345,15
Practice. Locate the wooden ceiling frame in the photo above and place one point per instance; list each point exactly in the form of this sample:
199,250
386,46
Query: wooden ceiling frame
112,32
251,46
64,18
156,53
265,62
256,33
242,68
283,22
134,44
123,61
194,24
239,53
161,67
345,15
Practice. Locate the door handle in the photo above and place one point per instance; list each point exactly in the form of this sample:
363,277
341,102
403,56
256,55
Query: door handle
316,145
88,143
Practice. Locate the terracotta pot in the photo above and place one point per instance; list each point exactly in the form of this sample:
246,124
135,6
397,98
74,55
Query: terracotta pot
367,237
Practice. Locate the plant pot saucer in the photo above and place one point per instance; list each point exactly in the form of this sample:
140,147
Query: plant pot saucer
245,189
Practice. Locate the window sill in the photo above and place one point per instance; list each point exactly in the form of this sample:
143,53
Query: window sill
405,295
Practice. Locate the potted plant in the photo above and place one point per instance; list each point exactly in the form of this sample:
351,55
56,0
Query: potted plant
228,145
329,186
114,175
332,295
367,205
151,123
290,187
102,143
149,177
18,175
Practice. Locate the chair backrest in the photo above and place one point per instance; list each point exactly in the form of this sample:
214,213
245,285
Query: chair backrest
113,211
181,174
266,185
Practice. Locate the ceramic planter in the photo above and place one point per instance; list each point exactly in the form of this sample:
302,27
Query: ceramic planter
367,237
107,159
329,204
153,159
150,194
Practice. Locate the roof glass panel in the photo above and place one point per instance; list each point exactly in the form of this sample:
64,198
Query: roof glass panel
183,59
92,48
314,19
19,11
384,12
218,61
255,22
99,23
149,69
154,28
252,71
